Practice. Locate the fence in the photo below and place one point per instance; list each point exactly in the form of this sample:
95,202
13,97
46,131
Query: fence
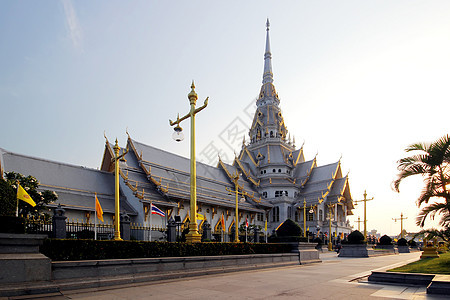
83,229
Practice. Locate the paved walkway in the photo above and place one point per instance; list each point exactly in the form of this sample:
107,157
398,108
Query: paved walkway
334,278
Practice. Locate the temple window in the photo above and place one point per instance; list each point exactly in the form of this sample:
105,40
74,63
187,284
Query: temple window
276,214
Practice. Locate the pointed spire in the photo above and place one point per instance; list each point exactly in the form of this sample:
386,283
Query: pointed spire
268,75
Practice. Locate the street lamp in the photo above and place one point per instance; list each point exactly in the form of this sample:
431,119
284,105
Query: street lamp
365,218
193,235
235,178
401,223
330,245
116,159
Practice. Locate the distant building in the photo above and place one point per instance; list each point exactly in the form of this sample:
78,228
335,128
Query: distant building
275,179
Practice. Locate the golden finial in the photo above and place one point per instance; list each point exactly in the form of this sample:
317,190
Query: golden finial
192,96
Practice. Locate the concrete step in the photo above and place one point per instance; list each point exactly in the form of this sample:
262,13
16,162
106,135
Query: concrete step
439,285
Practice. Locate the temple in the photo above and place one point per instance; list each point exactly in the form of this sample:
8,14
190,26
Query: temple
274,180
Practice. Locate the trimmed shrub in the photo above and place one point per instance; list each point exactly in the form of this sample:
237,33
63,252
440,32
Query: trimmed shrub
412,243
385,240
402,242
355,237
8,200
64,250
289,228
10,224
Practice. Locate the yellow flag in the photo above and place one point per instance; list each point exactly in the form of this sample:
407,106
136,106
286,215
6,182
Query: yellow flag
223,223
98,209
200,216
23,195
265,226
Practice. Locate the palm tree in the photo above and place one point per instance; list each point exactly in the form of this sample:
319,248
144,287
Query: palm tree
432,161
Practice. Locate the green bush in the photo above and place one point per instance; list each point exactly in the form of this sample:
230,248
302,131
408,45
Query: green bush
412,243
9,224
355,237
402,242
385,240
289,228
8,199
64,250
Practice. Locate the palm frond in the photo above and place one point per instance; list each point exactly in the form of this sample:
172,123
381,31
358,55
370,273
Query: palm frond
429,211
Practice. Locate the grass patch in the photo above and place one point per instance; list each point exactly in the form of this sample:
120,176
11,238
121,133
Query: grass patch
439,265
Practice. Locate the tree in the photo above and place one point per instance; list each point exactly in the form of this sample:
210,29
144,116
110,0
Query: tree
31,185
7,199
444,234
432,161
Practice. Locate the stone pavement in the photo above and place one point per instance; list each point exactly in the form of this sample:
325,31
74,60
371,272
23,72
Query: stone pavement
334,278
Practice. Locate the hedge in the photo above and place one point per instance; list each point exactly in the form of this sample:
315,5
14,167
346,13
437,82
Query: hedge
68,250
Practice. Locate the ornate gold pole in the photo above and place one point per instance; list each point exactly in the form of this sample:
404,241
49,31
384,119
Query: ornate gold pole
365,211
236,225
401,223
235,178
330,245
116,159
304,217
193,235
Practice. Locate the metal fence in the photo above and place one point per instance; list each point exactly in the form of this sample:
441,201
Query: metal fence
83,229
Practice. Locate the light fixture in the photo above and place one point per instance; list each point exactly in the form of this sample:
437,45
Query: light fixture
311,211
178,133
242,199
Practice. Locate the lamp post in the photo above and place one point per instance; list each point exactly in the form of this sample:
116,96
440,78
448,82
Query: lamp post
330,245
365,218
116,159
401,223
235,178
359,222
193,235
304,217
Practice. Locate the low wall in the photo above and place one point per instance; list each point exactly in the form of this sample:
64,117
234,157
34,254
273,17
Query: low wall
104,268
354,250
401,278
20,260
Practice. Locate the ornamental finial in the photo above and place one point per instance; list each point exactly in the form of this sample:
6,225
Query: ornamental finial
192,96
267,24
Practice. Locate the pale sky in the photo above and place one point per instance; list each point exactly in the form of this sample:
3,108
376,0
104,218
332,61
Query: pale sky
361,79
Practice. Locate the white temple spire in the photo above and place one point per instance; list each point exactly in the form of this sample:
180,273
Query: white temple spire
268,75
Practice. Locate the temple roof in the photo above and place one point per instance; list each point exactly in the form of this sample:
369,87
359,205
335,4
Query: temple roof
75,185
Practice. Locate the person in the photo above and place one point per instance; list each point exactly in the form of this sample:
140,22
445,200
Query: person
338,247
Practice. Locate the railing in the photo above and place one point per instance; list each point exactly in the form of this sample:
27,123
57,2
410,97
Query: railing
141,232
39,226
83,229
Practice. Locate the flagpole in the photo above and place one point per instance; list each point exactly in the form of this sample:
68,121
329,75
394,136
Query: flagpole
95,220
150,220
17,199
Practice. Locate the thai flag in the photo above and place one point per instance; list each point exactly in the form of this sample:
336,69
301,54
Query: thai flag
157,211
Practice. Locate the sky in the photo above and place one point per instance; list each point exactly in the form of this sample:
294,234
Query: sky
359,80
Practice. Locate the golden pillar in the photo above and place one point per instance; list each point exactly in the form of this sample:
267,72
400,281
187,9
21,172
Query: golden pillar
365,213
304,217
401,223
235,178
116,159
193,235
330,245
